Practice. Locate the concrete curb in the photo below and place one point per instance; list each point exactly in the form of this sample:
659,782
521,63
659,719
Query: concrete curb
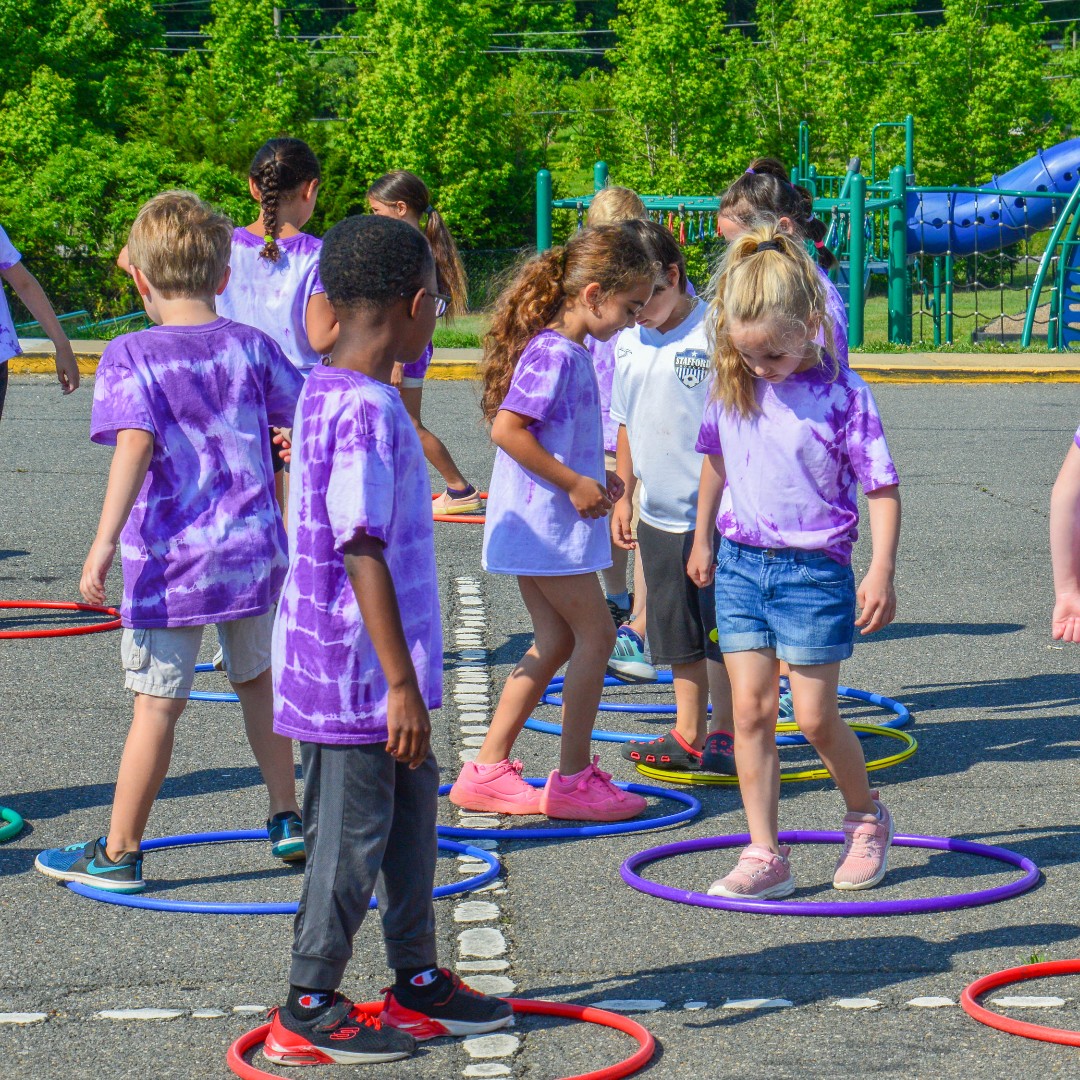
463,364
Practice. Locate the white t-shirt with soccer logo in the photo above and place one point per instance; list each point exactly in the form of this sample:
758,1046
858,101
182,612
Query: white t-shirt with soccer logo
660,392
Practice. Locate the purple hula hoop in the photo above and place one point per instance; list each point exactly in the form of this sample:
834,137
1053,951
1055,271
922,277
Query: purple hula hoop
802,907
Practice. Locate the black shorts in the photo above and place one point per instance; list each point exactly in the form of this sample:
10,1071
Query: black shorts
679,616
3,386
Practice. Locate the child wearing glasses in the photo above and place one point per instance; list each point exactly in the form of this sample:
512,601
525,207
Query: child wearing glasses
357,665
404,196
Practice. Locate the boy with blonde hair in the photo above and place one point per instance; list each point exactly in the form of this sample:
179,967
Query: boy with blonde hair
187,404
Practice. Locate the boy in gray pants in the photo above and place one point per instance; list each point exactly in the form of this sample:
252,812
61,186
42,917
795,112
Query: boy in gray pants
357,663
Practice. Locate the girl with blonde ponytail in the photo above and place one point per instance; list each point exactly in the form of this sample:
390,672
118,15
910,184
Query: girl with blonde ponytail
403,195
547,509
788,438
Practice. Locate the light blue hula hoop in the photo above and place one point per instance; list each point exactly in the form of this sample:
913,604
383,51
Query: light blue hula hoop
901,716
207,695
693,808
150,903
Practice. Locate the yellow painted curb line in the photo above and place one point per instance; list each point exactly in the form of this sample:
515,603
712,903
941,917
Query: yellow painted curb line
46,364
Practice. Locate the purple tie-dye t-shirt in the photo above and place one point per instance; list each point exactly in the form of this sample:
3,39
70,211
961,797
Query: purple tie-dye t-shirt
834,305
603,358
418,368
273,296
793,469
204,541
532,527
9,340
358,470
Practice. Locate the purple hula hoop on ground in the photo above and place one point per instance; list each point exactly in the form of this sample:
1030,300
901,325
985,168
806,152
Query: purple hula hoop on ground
628,870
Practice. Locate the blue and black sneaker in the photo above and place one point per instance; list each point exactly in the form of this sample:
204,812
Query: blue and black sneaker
286,832
89,865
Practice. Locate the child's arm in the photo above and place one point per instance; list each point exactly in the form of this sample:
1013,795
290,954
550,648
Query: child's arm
37,303
407,721
131,459
876,595
1065,548
701,565
510,433
321,324
623,511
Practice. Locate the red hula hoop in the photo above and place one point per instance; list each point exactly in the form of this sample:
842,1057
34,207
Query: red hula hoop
585,1013
465,519
71,631
970,1005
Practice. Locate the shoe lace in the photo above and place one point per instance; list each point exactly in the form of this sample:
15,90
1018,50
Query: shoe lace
343,1011
862,842
593,774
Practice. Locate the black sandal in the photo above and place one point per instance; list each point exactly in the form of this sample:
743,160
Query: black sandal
668,752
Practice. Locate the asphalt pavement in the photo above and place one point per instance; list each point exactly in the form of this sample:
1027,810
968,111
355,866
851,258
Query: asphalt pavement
995,704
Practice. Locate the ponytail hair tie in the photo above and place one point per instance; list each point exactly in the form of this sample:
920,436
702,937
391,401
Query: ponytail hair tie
768,245
820,245
430,209
268,238
750,172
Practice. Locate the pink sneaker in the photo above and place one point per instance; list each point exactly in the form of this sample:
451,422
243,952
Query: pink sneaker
498,788
759,875
588,796
863,862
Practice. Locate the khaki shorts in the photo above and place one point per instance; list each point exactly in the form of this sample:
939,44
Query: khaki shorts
635,517
160,661
409,383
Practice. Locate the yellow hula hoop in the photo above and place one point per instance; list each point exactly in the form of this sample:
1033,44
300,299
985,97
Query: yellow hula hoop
792,776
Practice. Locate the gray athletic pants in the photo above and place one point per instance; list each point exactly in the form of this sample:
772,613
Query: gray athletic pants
369,825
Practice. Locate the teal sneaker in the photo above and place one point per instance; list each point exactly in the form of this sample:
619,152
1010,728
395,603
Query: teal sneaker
286,832
628,662
89,865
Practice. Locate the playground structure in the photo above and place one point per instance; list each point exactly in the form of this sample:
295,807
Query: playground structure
998,262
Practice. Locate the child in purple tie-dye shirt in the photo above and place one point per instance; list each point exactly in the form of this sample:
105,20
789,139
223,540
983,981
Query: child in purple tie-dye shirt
788,438
187,405
547,507
358,663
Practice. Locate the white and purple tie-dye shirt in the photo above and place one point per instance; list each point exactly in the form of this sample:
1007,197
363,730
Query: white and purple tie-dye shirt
418,368
834,305
793,469
204,542
358,470
532,528
273,296
9,340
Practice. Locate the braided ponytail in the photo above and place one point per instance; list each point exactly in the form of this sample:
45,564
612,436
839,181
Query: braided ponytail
279,168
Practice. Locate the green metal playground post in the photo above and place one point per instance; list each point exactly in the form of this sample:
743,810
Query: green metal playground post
856,260
909,147
899,293
600,176
936,311
543,210
948,299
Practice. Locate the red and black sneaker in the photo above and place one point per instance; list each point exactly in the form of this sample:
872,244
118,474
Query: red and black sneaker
454,1009
670,751
338,1036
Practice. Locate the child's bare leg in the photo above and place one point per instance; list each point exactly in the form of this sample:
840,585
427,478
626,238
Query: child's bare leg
580,603
434,449
273,752
691,685
552,646
813,691
753,691
615,575
720,696
641,591
143,768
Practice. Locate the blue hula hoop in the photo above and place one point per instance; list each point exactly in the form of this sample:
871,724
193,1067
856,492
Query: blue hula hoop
693,808
490,872
207,695
901,715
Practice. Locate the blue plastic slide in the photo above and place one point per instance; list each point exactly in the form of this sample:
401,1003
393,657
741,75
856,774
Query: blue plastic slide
962,223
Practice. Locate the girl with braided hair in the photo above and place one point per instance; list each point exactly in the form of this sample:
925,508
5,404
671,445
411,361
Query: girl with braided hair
403,195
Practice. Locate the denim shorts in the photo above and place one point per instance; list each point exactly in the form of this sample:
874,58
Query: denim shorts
800,604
